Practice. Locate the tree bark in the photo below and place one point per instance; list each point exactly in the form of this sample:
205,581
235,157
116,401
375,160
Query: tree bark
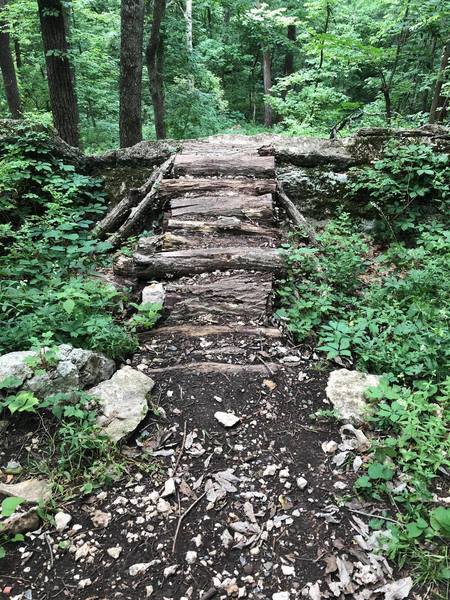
207,260
437,110
267,77
7,66
188,19
63,101
131,40
289,58
154,59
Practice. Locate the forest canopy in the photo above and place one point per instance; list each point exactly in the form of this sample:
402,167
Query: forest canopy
189,68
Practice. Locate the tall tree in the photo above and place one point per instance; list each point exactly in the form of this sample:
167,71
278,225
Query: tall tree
8,68
188,18
289,57
154,59
438,103
267,77
131,41
63,101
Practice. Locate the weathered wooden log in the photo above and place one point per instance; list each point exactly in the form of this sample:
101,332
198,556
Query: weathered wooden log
195,368
123,266
183,240
170,188
219,298
295,215
220,225
225,164
200,260
117,215
195,331
255,208
136,221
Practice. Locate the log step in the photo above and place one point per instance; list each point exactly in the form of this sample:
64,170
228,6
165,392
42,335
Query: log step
219,226
184,240
199,331
219,298
170,188
193,368
236,164
206,260
258,209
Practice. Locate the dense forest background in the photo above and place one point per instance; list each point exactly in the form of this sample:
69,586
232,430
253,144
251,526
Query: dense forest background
188,68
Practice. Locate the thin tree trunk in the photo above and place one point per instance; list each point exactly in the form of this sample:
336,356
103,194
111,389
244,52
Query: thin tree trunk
154,59
61,87
188,19
267,76
438,103
289,58
8,69
131,40
387,99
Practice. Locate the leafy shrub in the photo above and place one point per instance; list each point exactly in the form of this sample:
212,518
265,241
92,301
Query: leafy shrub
409,183
47,252
322,281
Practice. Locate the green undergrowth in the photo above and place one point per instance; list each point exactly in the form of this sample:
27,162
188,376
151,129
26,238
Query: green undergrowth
49,295
47,254
381,303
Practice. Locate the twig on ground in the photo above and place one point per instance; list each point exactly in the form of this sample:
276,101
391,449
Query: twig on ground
180,454
182,517
47,539
371,515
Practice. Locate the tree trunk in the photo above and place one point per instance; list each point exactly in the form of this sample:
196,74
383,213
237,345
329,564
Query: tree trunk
131,39
188,18
63,101
387,102
289,58
267,76
8,69
154,58
437,110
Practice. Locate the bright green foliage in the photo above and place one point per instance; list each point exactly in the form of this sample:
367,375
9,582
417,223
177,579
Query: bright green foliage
146,316
409,183
7,509
391,319
370,61
322,281
47,252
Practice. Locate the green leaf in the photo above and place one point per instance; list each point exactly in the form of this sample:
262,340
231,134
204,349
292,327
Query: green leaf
69,305
9,505
380,471
440,520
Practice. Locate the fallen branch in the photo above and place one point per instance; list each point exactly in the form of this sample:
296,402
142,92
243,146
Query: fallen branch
295,215
135,222
182,517
117,215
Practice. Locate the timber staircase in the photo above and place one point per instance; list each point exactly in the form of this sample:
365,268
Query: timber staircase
216,255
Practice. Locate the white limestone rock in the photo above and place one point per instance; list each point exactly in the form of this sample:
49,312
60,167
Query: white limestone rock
123,401
346,389
154,294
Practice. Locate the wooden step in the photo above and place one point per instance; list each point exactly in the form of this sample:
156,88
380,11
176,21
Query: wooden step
220,225
186,239
170,188
204,260
224,164
219,298
199,331
254,208
193,368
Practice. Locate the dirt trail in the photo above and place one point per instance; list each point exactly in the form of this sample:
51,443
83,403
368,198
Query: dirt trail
247,511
